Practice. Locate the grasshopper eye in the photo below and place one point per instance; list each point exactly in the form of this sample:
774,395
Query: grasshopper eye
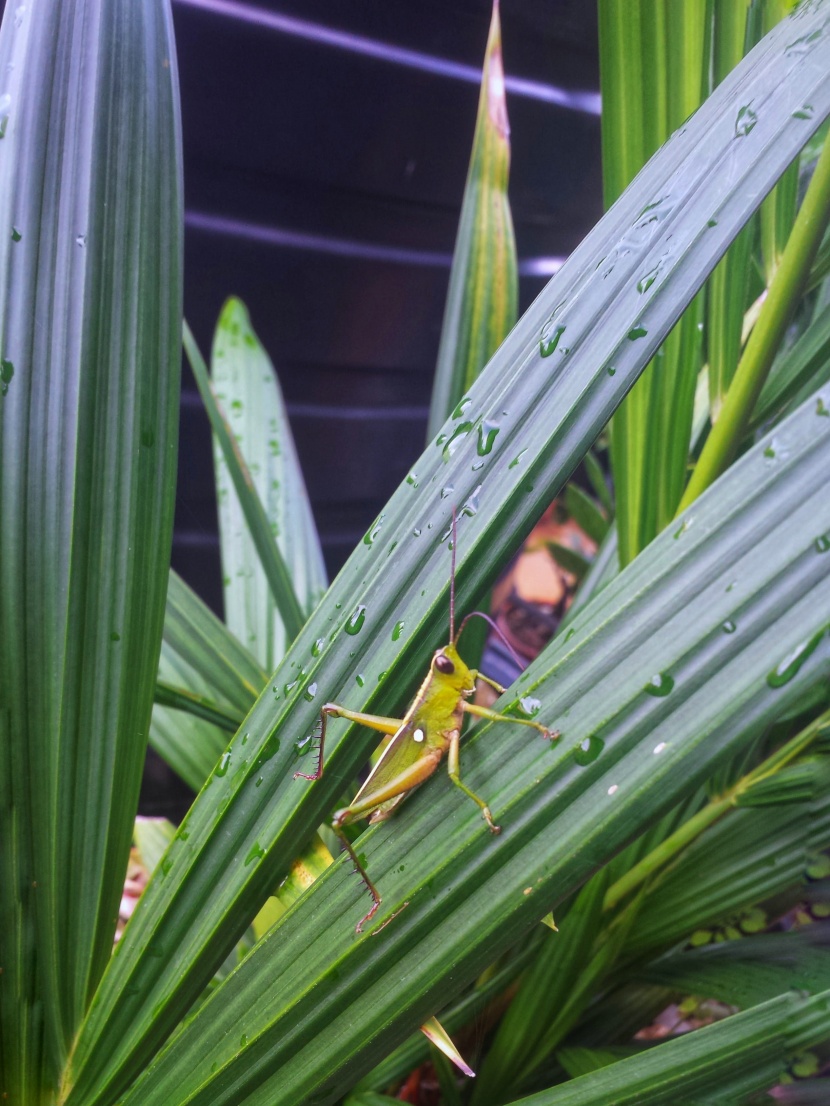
444,664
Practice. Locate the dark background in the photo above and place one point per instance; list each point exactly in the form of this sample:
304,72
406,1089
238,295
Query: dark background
323,187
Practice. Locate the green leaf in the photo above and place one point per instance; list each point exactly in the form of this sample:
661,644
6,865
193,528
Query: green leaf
782,297
719,693
543,993
186,923
247,389
751,855
750,971
569,559
652,65
482,297
728,289
194,634
749,1050
585,513
259,526
151,837
90,305
797,372
199,655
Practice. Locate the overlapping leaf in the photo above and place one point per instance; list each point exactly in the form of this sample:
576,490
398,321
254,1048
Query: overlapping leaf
253,810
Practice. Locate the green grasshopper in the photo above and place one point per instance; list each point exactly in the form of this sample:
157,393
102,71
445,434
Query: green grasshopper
429,729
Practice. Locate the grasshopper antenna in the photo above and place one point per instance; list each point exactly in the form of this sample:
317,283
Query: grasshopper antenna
452,576
494,626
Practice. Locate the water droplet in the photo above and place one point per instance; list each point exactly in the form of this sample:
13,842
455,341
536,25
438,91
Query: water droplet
477,466
447,491
729,626
256,853
243,1040
303,745
5,107
613,789
416,533
806,111
637,332
148,438
223,765
658,749
529,705
803,45
355,624
470,508
821,409
682,528
412,480
516,460
790,665
588,750
359,680
659,685
373,532
16,235
645,282
310,692
114,636
461,431
486,437
712,223
551,333
244,739
461,407
317,647
397,631
166,865
6,374
745,121
80,240
823,543
611,370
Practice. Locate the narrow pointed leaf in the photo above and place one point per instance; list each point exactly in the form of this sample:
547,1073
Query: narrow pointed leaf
90,302
248,391
482,297
721,1063
259,526
652,65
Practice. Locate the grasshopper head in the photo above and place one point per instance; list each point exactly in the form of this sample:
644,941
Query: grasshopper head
451,670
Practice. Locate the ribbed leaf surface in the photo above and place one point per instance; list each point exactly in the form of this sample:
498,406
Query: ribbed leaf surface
247,389
482,297
90,310
387,604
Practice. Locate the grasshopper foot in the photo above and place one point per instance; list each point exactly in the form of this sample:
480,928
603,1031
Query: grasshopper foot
383,925
551,735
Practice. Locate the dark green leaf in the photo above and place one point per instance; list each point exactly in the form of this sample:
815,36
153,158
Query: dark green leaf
90,309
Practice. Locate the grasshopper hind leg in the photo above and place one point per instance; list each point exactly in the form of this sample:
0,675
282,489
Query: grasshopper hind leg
364,875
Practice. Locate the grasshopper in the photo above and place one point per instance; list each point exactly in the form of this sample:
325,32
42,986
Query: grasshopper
430,728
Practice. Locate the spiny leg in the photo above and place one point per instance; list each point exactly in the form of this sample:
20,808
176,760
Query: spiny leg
454,768
373,721
494,716
364,875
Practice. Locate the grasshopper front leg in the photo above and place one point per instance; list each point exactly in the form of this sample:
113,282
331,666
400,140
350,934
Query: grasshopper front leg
373,721
494,716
